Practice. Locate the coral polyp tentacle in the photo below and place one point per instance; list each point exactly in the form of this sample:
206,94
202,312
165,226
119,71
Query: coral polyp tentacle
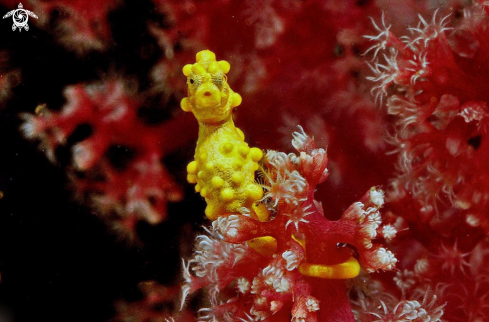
224,166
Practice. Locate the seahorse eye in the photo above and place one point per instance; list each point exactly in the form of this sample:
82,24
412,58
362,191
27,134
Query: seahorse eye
192,81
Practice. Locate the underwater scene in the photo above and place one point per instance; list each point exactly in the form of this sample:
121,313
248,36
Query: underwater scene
244,160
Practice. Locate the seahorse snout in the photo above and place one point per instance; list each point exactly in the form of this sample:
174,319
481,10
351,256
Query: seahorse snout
207,96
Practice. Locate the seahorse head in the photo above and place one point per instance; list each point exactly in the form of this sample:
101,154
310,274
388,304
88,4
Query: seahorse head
210,98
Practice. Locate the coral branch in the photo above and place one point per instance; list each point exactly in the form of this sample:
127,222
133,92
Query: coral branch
134,183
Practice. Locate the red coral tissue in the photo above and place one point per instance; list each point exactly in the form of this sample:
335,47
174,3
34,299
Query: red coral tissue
124,193
295,262
434,82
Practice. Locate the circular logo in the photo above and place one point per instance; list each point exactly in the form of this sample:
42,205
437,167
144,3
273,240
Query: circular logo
20,18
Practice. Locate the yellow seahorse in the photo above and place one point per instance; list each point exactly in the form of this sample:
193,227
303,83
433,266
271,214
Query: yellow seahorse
224,165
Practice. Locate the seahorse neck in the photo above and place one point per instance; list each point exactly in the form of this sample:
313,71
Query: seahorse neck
208,129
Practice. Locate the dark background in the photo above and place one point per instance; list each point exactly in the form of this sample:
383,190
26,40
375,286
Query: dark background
58,260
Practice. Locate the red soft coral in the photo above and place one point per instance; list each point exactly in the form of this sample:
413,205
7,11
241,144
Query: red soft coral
295,262
436,86
132,191
434,83
156,306
83,25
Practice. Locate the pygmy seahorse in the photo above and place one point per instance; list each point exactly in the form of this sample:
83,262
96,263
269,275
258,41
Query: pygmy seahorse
224,165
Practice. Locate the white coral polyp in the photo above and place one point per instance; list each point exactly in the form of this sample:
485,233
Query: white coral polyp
314,165
305,158
143,208
275,306
83,155
410,310
377,197
32,126
367,243
389,232
294,159
404,279
281,285
288,187
272,273
422,266
212,252
292,260
260,300
298,215
369,229
259,315
255,285
423,315
277,159
373,216
472,220
297,182
355,212
386,258
229,226
243,285
299,138
473,112
312,304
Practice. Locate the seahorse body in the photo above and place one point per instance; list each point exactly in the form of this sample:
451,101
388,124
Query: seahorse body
224,165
